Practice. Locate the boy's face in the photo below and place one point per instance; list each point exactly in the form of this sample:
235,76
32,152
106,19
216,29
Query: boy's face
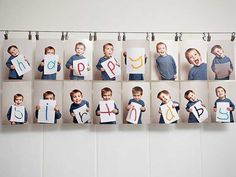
220,93
218,52
18,100
165,98
161,49
79,49
194,58
107,96
137,95
191,97
49,97
14,51
50,52
108,51
77,97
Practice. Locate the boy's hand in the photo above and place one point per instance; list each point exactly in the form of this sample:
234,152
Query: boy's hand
26,60
159,111
175,76
56,108
190,110
58,63
230,71
87,110
88,68
129,107
214,109
142,108
114,111
37,107
42,63
102,69
72,114
175,105
71,68
13,123
145,56
230,109
12,67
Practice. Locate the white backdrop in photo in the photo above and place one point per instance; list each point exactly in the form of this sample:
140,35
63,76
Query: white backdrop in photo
41,44
70,50
41,87
26,48
156,87
228,48
9,90
185,66
172,49
85,87
98,53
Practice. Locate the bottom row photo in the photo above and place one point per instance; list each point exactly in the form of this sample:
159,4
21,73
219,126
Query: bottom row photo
108,102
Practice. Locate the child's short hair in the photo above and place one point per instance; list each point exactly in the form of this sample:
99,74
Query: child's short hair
48,48
216,47
161,43
10,47
74,92
163,92
187,93
189,50
220,87
107,44
80,43
104,90
137,89
18,95
48,93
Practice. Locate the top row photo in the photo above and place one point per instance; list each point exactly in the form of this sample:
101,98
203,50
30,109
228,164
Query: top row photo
53,59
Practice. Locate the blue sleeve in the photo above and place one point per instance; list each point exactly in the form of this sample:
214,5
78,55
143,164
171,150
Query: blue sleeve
40,68
98,109
87,104
99,66
231,64
26,116
69,62
116,109
215,104
58,67
9,63
129,102
36,114
143,104
71,109
57,115
9,113
213,66
187,107
190,76
174,65
158,66
231,104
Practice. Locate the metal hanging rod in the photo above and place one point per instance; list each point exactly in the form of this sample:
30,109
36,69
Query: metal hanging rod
115,32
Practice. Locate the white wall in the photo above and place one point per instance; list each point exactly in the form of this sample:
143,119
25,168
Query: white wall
144,151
